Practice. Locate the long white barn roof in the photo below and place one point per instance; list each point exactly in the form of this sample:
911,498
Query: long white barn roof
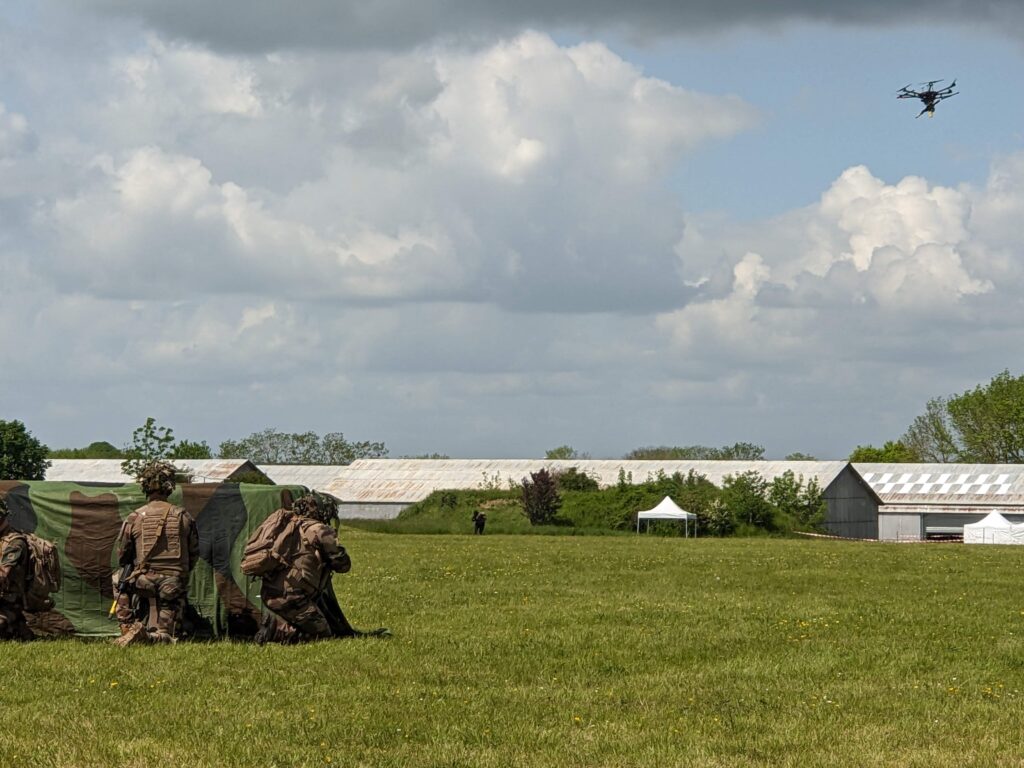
315,476
405,481
947,484
109,470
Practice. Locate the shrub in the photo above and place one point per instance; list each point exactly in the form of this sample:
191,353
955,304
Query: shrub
541,501
573,479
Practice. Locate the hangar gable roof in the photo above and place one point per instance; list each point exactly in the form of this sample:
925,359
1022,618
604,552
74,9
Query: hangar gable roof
945,484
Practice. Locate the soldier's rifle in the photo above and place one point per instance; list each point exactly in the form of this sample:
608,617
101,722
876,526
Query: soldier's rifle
123,584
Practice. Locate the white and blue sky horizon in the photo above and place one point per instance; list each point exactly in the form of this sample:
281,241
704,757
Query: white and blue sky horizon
483,231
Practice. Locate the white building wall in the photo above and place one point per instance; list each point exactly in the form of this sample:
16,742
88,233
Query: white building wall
900,527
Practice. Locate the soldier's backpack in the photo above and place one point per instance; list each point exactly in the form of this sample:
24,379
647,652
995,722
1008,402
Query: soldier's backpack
271,545
43,575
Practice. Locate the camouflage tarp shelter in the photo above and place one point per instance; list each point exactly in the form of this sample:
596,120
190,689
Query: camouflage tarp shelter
83,520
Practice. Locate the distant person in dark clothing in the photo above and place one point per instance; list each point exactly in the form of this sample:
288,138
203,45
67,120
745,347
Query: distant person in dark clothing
479,519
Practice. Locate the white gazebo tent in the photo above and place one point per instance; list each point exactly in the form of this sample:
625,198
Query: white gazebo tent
668,510
994,529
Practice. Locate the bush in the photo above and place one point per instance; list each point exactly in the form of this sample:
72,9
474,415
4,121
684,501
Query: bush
541,501
574,480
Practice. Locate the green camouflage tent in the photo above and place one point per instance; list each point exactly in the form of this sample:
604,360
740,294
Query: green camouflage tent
83,520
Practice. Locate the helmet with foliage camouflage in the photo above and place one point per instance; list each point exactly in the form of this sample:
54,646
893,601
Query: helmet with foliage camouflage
157,478
316,506
327,510
305,506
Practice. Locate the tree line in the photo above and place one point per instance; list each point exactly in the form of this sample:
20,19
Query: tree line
983,425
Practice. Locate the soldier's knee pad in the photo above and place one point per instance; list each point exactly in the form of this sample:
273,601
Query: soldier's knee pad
170,590
147,585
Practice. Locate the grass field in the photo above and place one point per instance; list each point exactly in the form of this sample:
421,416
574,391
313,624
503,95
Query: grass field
572,651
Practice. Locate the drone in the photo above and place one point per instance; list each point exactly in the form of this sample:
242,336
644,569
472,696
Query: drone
930,96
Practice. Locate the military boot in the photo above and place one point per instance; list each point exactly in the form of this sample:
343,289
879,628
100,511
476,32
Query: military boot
133,634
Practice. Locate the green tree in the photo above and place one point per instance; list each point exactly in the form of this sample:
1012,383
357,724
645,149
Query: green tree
150,442
988,421
893,452
96,450
797,456
572,479
189,449
984,425
734,452
564,452
746,497
930,437
273,447
541,501
22,456
717,520
801,502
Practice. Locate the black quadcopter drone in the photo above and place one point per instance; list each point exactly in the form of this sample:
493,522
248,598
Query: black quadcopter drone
930,96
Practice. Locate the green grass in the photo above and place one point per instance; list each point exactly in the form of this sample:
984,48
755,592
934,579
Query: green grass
572,651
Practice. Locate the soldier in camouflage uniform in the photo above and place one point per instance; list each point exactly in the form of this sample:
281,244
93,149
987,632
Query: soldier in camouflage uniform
293,591
13,572
160,543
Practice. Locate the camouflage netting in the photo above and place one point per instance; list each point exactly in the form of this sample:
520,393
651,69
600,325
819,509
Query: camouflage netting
83,520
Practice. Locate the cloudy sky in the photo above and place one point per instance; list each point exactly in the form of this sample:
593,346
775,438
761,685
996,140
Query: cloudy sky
487,229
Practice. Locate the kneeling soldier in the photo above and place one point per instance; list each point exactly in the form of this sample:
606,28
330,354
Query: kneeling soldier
160,544
292,592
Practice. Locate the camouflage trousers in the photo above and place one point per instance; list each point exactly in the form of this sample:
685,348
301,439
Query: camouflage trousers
301,612
166,596
12,622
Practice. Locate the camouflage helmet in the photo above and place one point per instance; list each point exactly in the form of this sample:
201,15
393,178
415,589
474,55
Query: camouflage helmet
305,506
3,507
316,506
157,478
327,510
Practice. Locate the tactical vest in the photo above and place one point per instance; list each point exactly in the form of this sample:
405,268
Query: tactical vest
160,545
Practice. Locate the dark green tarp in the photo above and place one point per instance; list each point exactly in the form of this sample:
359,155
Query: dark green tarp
83,520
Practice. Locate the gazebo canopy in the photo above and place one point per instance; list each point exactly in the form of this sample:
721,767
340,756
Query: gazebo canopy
666,510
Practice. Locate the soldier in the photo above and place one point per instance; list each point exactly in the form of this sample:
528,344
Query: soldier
160,544
14,565
479,521
293,592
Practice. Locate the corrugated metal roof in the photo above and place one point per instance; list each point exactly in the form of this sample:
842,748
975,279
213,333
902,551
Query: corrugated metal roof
109,470
411,480
951,484
315,476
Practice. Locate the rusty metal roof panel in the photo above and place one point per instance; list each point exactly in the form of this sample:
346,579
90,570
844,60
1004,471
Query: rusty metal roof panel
87,470
215,470
411,480
315,476
946,484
